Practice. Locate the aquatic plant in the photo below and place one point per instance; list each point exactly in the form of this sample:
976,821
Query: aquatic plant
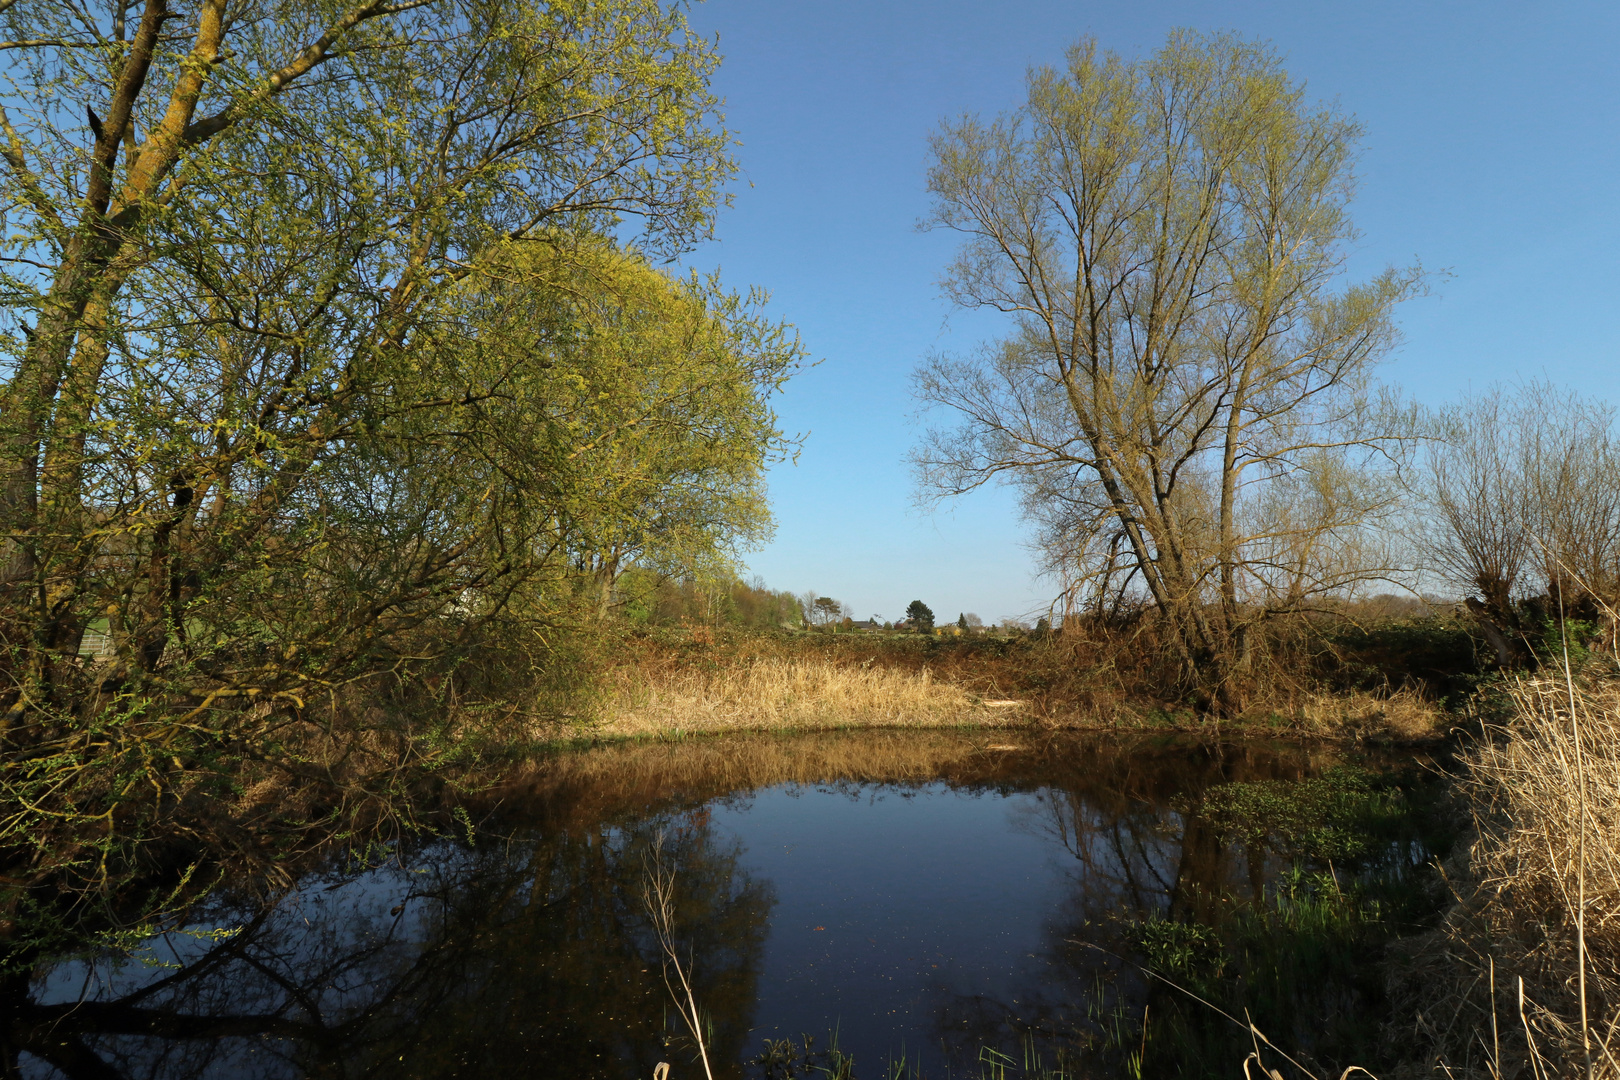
1295,964
784,1059
1301,958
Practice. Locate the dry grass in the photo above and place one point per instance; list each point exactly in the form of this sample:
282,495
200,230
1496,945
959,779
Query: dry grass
1403,716
785,692
663,685
1499,990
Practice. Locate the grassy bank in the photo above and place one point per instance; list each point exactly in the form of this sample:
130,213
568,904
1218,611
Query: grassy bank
703,681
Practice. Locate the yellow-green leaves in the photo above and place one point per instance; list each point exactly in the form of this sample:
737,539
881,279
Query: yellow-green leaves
1182,396
640,399
260,411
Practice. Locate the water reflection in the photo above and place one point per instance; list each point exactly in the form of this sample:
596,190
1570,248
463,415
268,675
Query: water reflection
532,955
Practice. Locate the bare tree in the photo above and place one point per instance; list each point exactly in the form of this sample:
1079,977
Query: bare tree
1185,398
1517,499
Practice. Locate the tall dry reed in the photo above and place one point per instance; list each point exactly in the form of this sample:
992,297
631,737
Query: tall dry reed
1522,978
1091,678
787,692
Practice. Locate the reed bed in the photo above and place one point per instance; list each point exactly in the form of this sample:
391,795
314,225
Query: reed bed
662,686
1522,978
792,692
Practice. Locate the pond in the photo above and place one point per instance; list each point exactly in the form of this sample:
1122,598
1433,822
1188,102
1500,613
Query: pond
940,903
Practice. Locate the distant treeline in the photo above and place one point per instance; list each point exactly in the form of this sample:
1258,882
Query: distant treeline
648,599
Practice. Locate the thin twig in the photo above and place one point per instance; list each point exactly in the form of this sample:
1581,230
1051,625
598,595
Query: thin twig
658,894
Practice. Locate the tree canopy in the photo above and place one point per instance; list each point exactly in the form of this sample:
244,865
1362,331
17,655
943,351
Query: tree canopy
920,616
1184,397
655,395
325,351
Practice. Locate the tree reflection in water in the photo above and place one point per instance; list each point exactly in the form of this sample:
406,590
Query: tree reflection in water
1132,846
532,957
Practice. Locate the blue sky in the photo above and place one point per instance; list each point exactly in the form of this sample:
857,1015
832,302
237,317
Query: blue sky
1492,153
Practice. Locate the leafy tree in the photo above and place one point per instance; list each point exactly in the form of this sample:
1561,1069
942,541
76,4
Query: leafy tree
920,617
662,388
1183,398
827,610
646,596
758,607
251,422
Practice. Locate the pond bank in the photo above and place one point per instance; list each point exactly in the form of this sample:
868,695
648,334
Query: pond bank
711,690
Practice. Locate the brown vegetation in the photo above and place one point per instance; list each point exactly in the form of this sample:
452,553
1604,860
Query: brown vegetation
1515,983
1093,676
777,692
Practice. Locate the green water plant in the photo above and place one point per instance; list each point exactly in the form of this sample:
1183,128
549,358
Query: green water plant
784,1059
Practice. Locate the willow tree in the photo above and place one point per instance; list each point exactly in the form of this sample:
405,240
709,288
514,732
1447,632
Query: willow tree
1183,399
658,391
1516,504
242,447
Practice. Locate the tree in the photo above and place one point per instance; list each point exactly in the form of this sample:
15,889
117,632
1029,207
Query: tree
1517,502
1184,400
662,386
919,617
247,421
644,596
826,610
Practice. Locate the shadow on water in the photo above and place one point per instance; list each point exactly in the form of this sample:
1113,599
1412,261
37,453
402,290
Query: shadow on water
528,952
530,957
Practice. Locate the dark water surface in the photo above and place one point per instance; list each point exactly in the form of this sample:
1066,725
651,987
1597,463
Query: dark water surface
926,894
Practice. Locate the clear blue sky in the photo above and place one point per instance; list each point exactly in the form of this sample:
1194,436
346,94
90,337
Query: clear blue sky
1492,152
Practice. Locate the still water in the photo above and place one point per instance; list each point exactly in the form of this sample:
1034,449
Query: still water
924,895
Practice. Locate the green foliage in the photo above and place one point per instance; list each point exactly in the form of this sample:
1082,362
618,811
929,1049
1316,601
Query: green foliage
1187,952
646,598
920,617
1295,963
326,393
1297,959
1333,816
1553,640
640,400
1438,652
